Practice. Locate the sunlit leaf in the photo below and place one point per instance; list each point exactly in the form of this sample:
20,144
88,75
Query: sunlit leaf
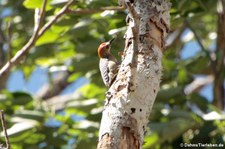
32,4
150,140
91,90
182,75
48,37
74,77
46,61
32,115
20,131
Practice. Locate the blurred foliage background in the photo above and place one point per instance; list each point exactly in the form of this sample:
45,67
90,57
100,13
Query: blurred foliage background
49,119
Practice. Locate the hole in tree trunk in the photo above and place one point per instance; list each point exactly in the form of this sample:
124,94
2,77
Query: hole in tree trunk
132,110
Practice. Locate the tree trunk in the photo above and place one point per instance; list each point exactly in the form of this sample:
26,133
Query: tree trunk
130,98
4,79
218,89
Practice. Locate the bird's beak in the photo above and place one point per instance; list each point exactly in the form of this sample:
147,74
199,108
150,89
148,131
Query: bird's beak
110,41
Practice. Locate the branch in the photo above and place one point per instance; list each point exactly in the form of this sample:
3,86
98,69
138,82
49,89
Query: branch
3,39
51,90
220,45
37,34
55,18
201,44
60,102
197,37
40,14
174,37
198,84
91,11
1,44
4,129
8,41
218,88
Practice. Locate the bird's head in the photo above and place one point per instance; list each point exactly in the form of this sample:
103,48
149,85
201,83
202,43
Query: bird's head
104,48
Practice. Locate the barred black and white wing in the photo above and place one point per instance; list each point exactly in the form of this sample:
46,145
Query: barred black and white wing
109,70
103,66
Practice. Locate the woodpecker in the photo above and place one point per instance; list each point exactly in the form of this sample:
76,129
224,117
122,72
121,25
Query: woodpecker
108,64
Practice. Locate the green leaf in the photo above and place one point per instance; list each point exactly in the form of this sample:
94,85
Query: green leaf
197,64
32,115
91,91
48,37
58,2
74,77
3,98
28,70
169,131
182,75
35,138
65,54
85,64
21,98
32,4
87,47
84,143
66,22
20,131
181,114
199,100
46,62
95,114
151,140
166,94
85,105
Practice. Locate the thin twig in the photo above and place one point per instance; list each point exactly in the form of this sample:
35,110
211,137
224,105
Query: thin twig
8,41
1,44
22,52
220,38
55,18
38,25
39,17
5,129
37,34
91,11
42,14
196,36
201,44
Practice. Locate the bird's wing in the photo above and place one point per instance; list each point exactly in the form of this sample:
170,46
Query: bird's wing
103,66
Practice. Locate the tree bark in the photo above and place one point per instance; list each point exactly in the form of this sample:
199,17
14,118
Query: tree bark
2,59
218,89
130,98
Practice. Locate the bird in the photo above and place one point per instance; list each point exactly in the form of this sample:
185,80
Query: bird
108,64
